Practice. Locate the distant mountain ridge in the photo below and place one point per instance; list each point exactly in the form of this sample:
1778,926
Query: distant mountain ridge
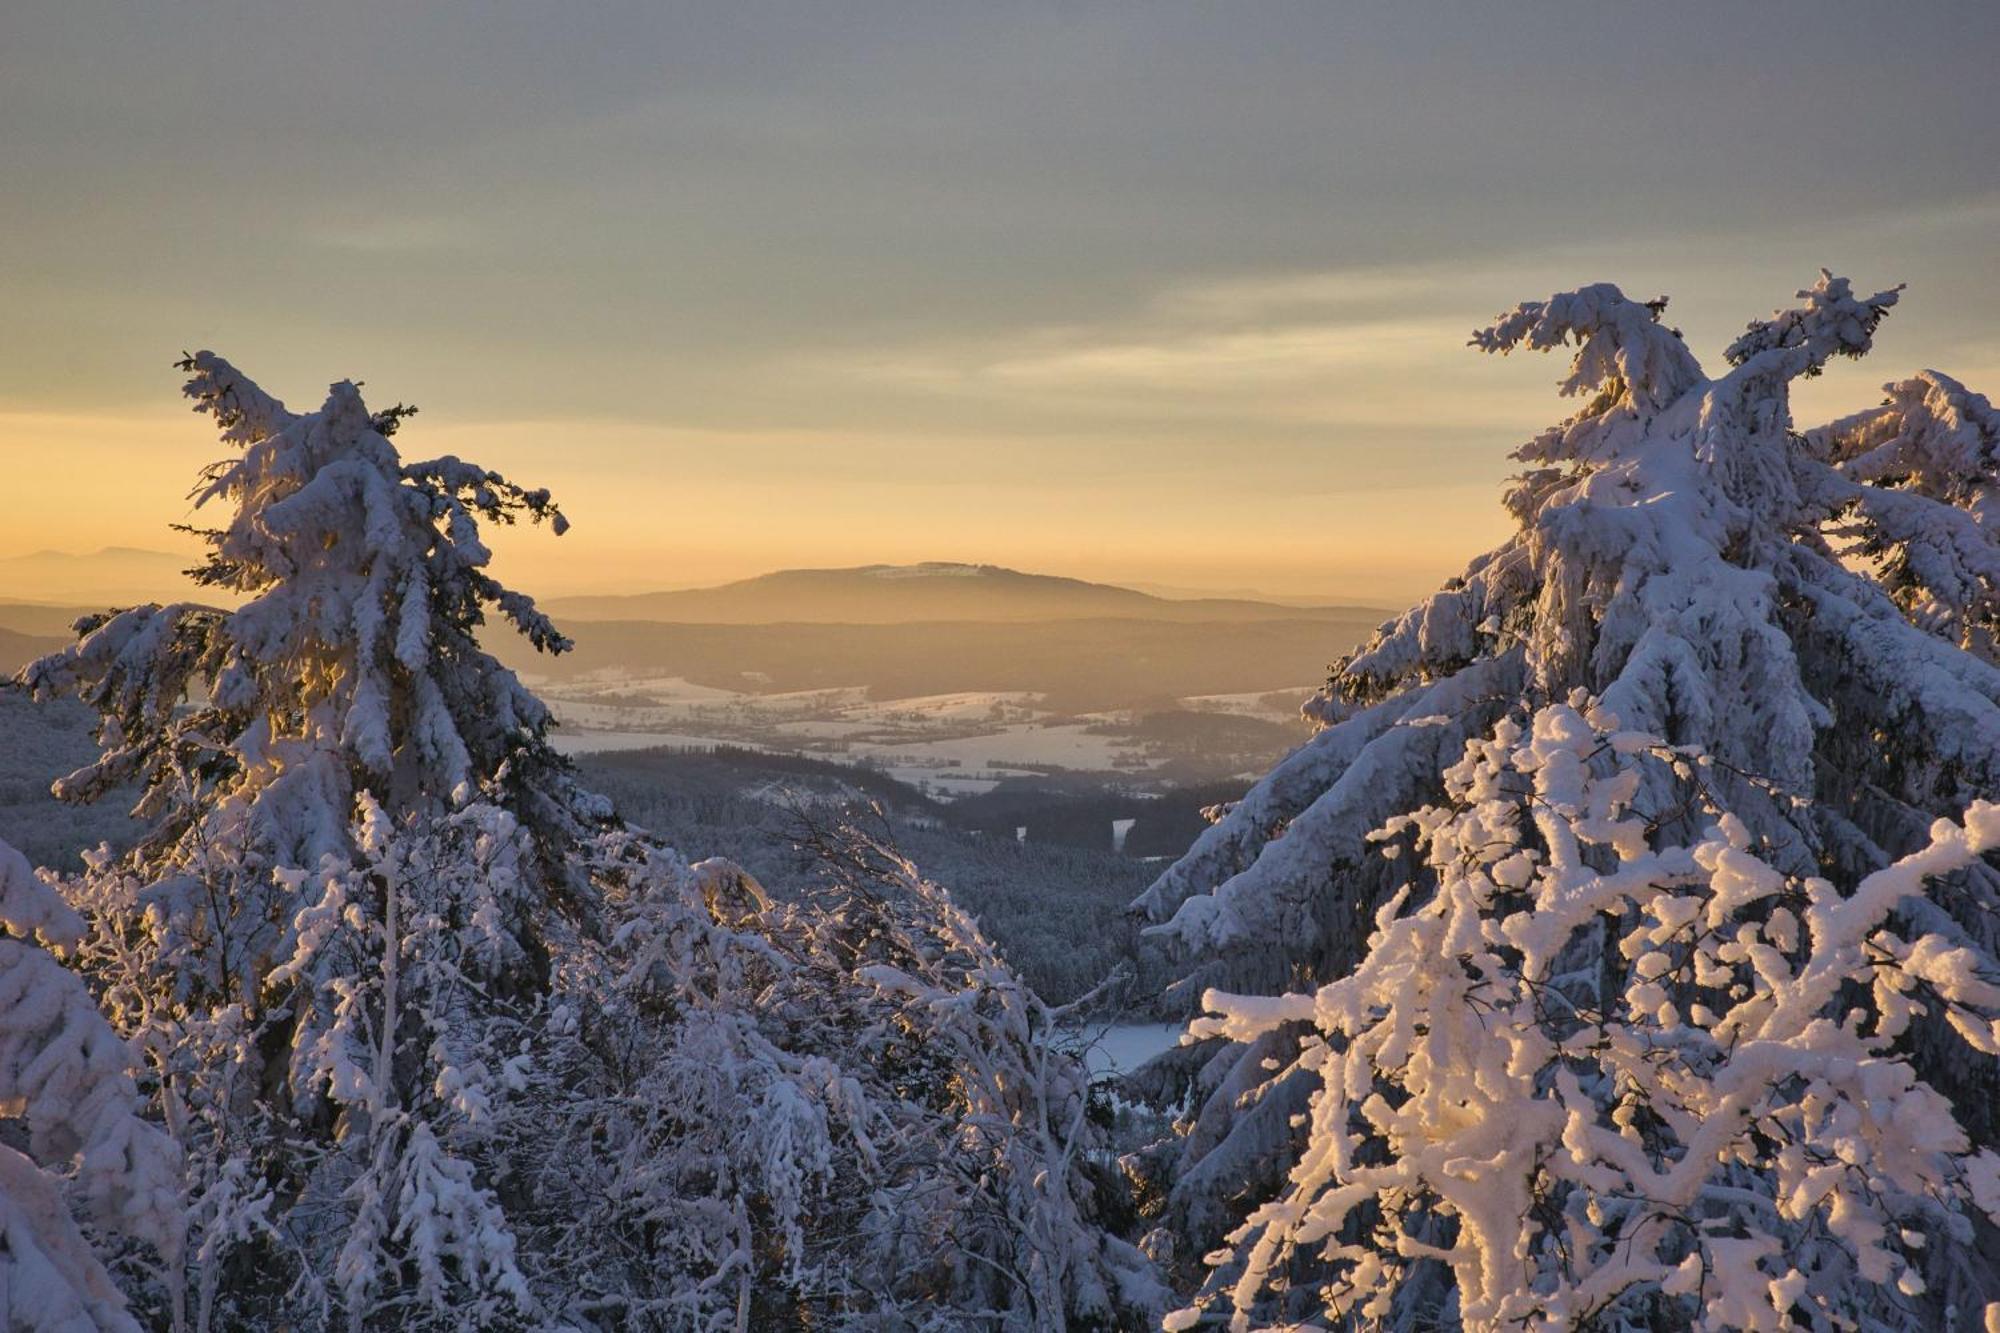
111,575
931,591
902,631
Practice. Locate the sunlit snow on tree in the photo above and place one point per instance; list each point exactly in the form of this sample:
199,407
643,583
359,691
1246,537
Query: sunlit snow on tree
1811,611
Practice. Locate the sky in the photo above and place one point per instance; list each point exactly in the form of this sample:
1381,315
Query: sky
1171,293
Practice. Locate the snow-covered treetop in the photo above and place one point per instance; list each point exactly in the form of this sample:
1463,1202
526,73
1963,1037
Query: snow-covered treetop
1832,322
1718,577
1812,611
1625,358
1669,474
1934,440
353,661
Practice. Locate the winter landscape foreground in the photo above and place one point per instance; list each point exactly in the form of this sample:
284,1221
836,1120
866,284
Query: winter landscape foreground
1619,949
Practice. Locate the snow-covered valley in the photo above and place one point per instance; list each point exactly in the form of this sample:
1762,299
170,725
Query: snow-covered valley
946,745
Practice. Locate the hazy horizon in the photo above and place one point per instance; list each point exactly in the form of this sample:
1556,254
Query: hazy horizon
143,573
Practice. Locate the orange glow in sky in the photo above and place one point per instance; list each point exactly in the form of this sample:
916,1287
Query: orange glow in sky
1121,293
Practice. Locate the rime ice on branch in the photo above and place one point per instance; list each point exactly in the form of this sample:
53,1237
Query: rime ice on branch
1812,610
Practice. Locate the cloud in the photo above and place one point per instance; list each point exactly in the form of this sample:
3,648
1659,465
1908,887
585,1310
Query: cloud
390,236
1380,350
1226,362
1373,351
1264,295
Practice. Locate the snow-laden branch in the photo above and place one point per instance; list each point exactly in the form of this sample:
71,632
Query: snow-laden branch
1713,1124
67,1079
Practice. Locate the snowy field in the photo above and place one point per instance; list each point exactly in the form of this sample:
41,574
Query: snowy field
1123,1047
949,745
1272,705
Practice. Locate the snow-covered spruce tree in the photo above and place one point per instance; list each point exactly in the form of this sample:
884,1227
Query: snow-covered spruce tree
334,933
448,1047
846,1112
1814,610
1597,1080
1001,1196
67,1098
